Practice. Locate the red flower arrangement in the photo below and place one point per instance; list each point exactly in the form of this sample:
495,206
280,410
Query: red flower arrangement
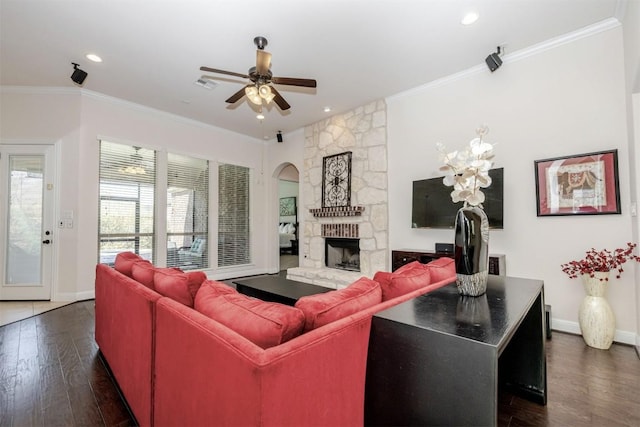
603,261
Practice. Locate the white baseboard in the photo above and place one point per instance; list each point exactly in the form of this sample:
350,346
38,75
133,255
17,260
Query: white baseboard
74,296
622,337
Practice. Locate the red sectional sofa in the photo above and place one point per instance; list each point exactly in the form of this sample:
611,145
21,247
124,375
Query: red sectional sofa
190,351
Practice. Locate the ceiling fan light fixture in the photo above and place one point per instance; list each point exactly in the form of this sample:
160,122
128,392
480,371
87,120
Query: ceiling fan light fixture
266,93
252,94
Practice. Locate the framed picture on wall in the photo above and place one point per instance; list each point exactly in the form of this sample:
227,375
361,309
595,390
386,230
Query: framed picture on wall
583,184
287,206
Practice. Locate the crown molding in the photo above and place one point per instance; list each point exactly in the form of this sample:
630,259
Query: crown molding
599,27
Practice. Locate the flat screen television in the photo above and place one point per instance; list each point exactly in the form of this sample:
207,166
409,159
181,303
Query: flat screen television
432,206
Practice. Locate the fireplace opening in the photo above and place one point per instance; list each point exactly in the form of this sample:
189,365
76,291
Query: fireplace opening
342,254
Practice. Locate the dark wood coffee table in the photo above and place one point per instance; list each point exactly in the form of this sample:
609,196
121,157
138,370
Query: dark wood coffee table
275,288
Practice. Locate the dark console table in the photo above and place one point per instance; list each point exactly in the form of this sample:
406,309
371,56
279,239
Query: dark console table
275,288
401,257
439,359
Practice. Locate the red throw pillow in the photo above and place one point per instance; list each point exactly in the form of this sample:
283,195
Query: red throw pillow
173,284
405,282
325,308
124,262
384,277
195,280
143,271
442,268
266,324
409,266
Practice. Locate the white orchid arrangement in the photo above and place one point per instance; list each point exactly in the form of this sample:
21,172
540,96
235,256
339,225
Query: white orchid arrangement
468,170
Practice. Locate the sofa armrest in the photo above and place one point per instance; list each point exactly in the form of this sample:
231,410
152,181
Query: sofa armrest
314,379
125,315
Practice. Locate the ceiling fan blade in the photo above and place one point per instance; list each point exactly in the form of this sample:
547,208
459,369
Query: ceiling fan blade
293,81
236,96
230,73
263,62
279,100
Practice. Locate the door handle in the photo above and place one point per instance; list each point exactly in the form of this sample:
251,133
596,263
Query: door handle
46,242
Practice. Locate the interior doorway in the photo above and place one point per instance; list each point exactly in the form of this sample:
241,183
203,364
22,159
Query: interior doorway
288,223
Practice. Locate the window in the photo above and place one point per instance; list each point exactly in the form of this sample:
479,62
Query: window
233,215
127,198
187,212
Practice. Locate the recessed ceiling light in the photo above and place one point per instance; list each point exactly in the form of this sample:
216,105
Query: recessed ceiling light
470,18
327,109
93,57
260,116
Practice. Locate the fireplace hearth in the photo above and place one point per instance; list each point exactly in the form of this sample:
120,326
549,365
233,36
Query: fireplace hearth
342,254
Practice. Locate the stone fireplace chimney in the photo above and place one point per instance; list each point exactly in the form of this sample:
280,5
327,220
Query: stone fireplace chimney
365,217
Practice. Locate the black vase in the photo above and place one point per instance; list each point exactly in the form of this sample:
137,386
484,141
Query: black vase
472,250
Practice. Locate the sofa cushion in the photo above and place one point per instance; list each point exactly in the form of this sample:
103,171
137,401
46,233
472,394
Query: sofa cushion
195,281
266,324
328,307
173,284
124,262
211,289
441,268
384,277
407,281
143,271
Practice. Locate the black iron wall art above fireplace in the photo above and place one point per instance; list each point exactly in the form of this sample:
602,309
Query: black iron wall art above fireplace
336,180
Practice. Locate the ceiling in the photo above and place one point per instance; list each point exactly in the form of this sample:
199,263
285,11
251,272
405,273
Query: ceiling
357,50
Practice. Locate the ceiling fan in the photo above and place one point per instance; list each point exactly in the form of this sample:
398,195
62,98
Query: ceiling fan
260,88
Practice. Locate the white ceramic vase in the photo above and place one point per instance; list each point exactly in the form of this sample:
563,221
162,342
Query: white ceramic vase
597,322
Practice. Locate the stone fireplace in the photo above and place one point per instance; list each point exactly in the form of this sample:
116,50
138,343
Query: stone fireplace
363,132
342,254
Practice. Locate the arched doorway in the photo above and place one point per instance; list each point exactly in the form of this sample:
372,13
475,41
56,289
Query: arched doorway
288,222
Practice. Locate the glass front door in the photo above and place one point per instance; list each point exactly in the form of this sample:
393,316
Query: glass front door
27,239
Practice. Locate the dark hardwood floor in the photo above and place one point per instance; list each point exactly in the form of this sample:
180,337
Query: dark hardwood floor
51,374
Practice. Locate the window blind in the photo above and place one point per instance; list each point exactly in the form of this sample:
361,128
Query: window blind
187,212
127,198
233,215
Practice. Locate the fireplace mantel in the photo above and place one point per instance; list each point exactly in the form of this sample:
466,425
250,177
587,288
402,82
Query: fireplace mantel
335,211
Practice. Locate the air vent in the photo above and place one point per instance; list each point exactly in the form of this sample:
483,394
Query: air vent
207,84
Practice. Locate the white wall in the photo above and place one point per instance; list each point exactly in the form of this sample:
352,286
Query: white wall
631,34
562,100
77,119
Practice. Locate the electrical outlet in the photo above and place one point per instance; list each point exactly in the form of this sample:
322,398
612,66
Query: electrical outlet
68,223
